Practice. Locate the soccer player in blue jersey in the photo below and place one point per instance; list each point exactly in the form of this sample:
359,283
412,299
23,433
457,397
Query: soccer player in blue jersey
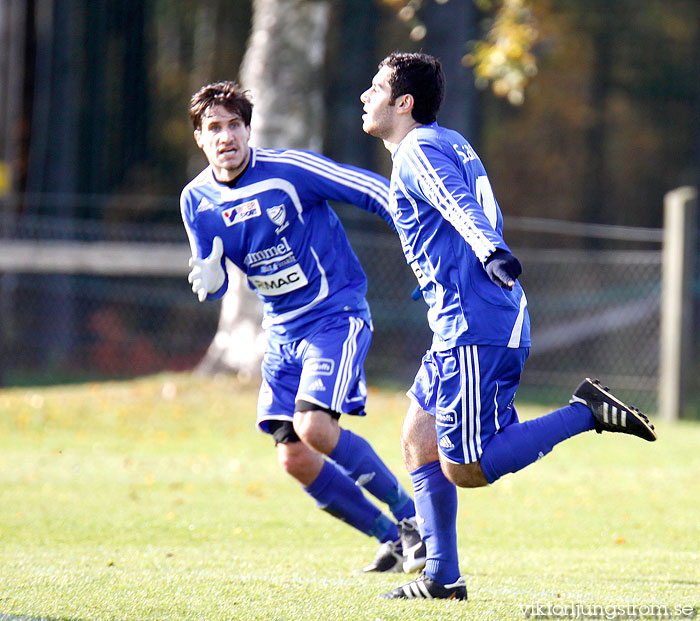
266,211
461,428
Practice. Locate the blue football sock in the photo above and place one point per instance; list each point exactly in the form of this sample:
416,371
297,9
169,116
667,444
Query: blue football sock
362,464
337,494
436,506
521,444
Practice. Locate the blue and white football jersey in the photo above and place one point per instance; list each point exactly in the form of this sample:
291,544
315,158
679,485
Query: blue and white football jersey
277,227
449,223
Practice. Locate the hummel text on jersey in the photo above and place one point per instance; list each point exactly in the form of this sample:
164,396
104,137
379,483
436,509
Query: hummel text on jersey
281,282
275,252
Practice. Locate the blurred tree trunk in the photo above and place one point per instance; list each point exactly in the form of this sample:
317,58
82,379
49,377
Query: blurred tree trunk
351,61
53,160
282,69
13,18
14,15
449,26
597,191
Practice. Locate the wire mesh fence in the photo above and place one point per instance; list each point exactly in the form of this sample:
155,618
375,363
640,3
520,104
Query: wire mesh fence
595,311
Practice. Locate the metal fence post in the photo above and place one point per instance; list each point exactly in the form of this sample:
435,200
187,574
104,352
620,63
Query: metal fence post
680,207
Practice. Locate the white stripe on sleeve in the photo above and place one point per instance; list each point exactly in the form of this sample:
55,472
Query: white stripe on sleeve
443,200
330,170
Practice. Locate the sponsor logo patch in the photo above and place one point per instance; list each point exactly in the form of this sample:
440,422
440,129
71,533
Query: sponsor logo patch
281,282
320,366
242,212
446,418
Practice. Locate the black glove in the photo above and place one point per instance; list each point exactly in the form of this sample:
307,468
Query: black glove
503,268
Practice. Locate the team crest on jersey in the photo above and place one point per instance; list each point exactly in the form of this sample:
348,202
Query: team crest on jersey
205,205
278,215
242,212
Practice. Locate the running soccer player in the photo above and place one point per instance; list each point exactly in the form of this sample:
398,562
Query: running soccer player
461,428
267,212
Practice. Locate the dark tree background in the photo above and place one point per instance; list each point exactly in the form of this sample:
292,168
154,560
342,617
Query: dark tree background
607,126
94,96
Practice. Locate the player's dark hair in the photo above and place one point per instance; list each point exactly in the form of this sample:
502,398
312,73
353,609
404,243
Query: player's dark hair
421,76
227,94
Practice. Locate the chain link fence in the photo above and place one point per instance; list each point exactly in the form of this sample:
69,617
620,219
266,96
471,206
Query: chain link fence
593,295
116,307
594,303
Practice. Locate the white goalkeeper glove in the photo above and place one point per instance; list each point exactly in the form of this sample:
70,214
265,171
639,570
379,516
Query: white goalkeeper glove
207,275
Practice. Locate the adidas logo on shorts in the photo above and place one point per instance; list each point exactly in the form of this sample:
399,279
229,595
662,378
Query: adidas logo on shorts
317,386
446,443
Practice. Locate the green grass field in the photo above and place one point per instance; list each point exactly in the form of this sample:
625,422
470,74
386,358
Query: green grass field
158,499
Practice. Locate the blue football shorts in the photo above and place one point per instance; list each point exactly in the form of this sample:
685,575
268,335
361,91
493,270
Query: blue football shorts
325,368
470,391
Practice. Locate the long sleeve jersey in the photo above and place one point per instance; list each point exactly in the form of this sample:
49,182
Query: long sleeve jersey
449,223
277,227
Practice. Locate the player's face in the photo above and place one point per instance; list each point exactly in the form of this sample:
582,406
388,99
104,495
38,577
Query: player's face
224,139
380,113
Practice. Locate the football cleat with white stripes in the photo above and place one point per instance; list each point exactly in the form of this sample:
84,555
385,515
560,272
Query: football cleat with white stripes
610,413
426,588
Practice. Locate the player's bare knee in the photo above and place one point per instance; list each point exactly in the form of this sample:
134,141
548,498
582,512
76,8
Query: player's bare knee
303,425
311,435
317,429
464,475
418,439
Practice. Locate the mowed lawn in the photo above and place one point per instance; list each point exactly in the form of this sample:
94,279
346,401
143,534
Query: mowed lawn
158,499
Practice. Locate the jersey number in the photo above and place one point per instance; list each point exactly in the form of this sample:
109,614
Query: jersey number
484,194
